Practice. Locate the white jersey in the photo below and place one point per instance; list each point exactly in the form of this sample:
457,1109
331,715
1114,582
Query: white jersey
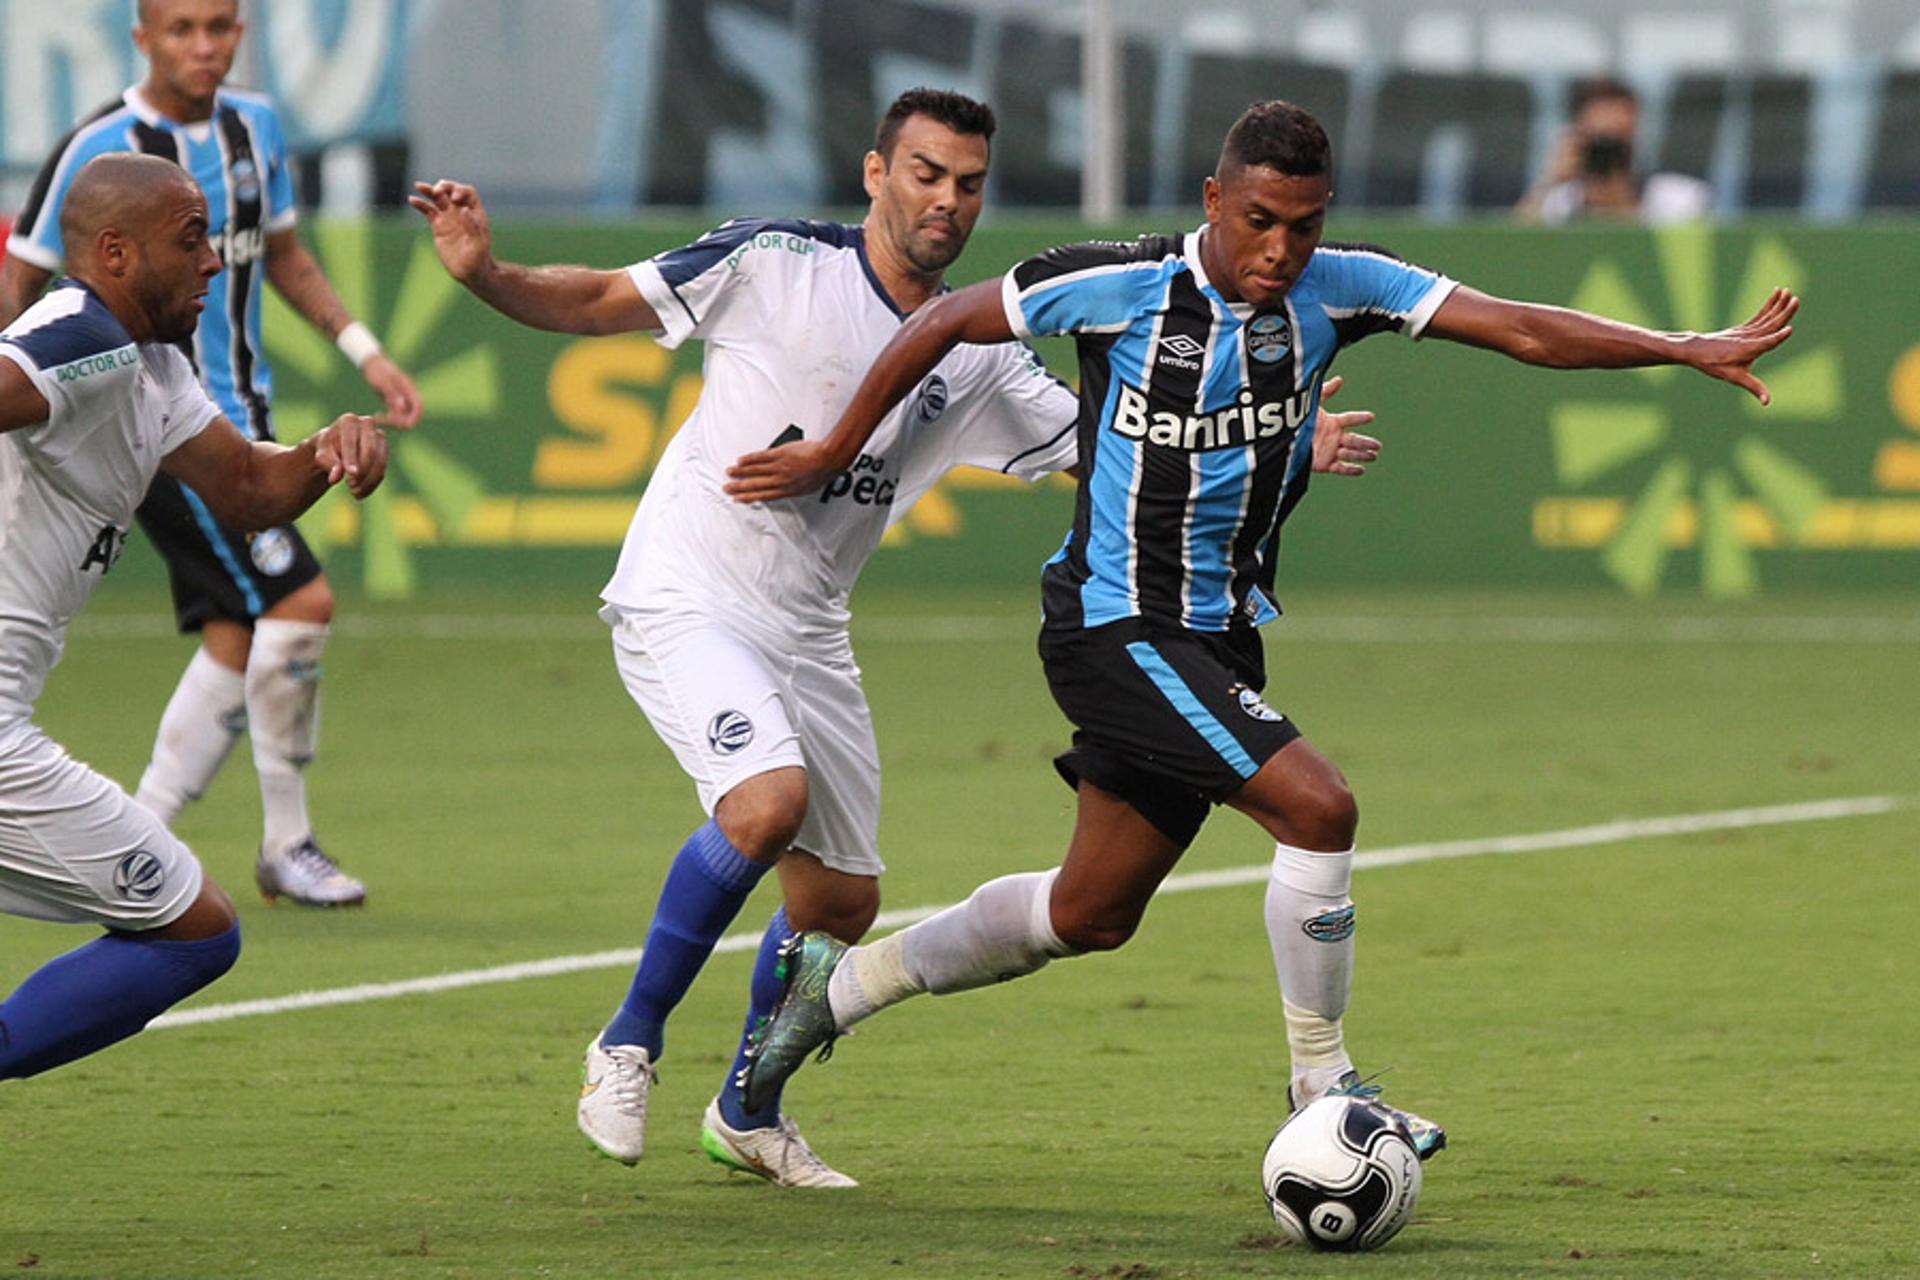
792,316
69,486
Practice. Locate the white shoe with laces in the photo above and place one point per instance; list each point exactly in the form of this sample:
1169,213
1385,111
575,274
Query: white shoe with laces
303,873
614,1082
778,1153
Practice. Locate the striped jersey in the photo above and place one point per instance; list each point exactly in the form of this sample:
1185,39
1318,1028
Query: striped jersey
69,485
792,315
1196,416
239,158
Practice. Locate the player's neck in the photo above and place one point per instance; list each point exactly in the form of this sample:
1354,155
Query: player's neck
906,286
131,315
176,106
1219,272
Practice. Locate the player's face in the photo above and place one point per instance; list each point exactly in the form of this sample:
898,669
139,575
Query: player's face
190,44
1263,228
176,261
928,194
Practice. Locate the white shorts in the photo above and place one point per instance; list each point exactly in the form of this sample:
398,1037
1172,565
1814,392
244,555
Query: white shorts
732,705
76,849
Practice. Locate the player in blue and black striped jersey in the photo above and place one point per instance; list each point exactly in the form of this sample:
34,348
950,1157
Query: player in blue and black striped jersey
259,601
1202,358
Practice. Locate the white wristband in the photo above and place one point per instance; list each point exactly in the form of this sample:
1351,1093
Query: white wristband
357,343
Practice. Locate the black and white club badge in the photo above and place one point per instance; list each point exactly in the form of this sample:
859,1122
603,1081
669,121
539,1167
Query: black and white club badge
1251,704
139,875
729,732
1268,338
932,400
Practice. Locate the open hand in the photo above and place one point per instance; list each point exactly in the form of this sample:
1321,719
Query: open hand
461,234
1338,449
354,449
1729,354
784,472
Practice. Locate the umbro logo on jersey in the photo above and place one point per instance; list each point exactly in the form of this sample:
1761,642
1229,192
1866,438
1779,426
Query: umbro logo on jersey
729,732
1181,351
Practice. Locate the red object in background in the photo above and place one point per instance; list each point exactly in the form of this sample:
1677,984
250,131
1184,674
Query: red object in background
6,229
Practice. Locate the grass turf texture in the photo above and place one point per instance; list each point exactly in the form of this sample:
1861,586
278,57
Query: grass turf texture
1673,1057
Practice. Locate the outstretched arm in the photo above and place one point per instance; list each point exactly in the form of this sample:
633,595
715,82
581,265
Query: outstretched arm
252,484
1561,338
972,314
298,278
561,299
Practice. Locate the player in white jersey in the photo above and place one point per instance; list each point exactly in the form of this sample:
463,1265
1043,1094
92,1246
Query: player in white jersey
94,400
730,623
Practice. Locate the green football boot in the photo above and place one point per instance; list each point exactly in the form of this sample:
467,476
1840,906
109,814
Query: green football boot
802,1022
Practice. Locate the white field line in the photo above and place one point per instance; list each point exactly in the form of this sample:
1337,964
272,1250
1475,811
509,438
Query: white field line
626,958
977,628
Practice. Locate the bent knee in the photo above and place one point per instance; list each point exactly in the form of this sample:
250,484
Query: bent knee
762,816
1329,818
1093,930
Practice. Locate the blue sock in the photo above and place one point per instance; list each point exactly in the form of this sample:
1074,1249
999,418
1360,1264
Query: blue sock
105,991
705,889
765,994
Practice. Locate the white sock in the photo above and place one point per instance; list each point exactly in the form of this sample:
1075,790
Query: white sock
1310,924
283,713
1004,930
203,719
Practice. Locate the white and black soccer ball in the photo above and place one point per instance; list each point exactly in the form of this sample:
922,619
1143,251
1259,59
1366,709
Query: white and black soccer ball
1342,1174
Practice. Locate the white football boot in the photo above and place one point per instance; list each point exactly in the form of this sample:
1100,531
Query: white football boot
779,1154
614,1082
303,873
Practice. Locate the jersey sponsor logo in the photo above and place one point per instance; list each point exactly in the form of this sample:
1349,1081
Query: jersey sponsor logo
139,875
1239,424
1251,703
729,732
239,246
1181,351
1268,338
865,483
106,549
932,401
1330,926
272,552
105,362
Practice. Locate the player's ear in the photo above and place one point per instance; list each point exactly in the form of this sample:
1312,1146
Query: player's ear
1210,197
873,174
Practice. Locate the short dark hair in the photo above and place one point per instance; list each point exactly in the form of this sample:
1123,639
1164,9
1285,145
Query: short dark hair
955,110
1601,89
1279,136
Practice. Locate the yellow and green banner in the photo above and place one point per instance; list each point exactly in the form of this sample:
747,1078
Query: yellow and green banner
536,446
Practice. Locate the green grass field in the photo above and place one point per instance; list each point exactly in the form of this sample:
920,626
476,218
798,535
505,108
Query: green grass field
1661,1057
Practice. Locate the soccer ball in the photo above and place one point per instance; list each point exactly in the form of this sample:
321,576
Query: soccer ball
1342,1174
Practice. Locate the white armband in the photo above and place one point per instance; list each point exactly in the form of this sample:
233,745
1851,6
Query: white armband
357,343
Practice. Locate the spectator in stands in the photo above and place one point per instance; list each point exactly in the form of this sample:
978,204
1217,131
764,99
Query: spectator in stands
1591,172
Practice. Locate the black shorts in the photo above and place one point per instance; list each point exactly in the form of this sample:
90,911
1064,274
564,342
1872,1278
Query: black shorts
1169,720
216,572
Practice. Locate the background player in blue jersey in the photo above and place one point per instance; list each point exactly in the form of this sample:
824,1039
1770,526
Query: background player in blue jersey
94,398
1202,358
260,602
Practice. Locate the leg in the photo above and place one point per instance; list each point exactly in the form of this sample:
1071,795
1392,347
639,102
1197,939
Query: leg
203,719
717,700
75,848
1302,801
283,668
